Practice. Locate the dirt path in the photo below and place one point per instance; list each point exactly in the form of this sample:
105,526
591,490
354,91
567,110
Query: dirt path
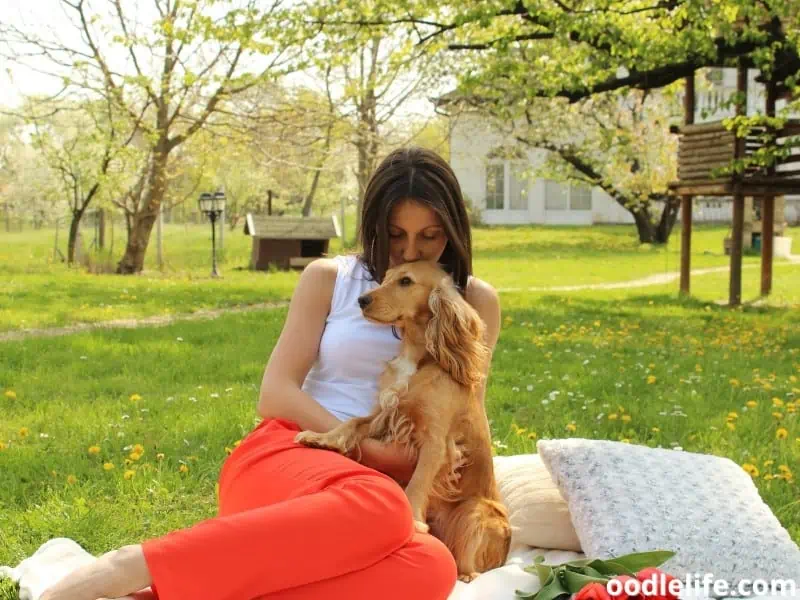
160,321
156,321
658,279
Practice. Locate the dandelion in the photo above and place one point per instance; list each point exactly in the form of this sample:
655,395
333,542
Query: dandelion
731,425
135,397
11,394
651,379
782,433
94,450
626,418
655,430
3,445
134,456
734,382
732,415
108,466
768,462
23,432
160,456
751,404
778,415
72,480
750,469
571,427
613,417
183,469
128,475
532,436
777,402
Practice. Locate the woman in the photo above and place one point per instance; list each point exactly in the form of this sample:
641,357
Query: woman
301,523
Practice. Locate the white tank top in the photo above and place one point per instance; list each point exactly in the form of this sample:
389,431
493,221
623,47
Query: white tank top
353,351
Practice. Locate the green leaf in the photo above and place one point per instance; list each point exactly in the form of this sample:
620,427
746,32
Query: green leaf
641,560
575,581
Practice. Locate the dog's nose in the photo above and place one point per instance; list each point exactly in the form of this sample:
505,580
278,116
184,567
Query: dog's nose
364,300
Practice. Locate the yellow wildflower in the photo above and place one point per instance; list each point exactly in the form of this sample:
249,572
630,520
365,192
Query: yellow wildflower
160,456
135,397
108,466
24,431
731,425
72,480
626,418
750,469
751,404
184,469
129,474
733,415
11,394
782,433
613,417
134,456
138,448
777,402
3,445
94,450
532,436
768,462
655,430
651,379
734,382
571,427
778,415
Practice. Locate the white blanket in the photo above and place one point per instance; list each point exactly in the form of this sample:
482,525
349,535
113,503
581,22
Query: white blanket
57,557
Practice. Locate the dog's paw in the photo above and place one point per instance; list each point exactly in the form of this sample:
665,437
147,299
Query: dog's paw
466,578
312,439
421,527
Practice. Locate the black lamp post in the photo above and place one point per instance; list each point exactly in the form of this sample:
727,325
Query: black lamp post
213,205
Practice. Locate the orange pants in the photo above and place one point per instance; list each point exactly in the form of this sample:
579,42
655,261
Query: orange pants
298,523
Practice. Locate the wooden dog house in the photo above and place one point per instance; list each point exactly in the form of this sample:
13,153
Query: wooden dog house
288,242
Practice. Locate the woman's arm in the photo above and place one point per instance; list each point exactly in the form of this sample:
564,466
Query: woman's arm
485,300
296,350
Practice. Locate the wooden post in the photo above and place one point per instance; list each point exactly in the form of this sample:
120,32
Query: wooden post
768,209
269,202
686,201
735,288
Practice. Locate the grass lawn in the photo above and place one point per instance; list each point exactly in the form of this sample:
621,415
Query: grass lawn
110,437
40,293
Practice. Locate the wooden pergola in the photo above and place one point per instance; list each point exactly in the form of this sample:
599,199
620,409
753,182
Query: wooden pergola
704,148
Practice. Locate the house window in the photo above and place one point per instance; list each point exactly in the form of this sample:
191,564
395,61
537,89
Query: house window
506,186
580,197
518,188
555,197
567,196
495,186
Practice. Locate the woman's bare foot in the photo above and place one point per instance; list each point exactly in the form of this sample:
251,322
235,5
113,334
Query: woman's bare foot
113,575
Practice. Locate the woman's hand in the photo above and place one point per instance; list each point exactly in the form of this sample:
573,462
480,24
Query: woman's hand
389,458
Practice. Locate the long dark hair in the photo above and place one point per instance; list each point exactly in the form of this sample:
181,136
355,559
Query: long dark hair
421,175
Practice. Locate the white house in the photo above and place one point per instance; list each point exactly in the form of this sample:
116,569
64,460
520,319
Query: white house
496,188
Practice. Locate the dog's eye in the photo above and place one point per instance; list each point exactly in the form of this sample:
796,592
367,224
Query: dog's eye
404,281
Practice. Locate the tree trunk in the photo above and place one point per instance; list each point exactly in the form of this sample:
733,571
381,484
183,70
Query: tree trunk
143,220
644,225
74,229
669,216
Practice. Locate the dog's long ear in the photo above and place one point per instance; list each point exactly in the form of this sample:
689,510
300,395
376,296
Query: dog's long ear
454,336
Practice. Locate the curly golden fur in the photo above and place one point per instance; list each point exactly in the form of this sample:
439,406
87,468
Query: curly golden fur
429,401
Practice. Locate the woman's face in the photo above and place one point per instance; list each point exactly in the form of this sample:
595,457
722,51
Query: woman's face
416,232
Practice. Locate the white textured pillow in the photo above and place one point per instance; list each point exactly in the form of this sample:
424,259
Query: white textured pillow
538,512
630,498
